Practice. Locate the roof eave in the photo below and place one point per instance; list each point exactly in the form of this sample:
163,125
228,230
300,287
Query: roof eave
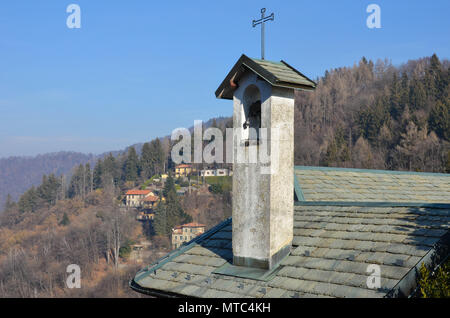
224,91
155,292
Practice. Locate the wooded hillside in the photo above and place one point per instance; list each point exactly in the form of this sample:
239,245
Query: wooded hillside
17,174
375,115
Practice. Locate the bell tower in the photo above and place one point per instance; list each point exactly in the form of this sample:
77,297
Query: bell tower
263,158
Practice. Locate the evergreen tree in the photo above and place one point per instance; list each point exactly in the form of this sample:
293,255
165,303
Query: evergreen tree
65,220
395,98
404,91
158,155
29,201
110,171
417,94
169,214
439,119
434,80
77,185
49,189
160,225
169,186
147,163
131,165
372,118
97,175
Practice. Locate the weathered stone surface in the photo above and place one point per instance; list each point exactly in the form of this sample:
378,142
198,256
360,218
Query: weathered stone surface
263,200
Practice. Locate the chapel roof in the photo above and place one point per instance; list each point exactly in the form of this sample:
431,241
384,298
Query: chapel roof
279,74
336,238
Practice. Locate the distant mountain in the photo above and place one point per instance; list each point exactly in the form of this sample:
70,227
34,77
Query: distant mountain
17,174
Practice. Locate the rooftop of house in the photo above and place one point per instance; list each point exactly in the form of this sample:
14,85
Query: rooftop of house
344,221
183,166
179,229
190,225
151,198
138,192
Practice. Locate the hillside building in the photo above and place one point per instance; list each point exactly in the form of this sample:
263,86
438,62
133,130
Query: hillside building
135,198
185,233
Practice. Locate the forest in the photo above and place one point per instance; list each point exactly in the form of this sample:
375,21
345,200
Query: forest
376,115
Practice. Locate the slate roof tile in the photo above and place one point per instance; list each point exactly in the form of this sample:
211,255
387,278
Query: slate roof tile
333,242
372,185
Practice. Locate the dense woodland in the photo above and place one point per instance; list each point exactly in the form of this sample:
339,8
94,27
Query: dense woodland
375,115
371,115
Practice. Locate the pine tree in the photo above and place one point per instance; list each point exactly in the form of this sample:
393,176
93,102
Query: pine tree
169,185
131,165
65,220
439,119
77,183
417,94
395,98
169,214
147,161
404,91
97,175
160,225
110,171
434,78
29,201
158,155
49,189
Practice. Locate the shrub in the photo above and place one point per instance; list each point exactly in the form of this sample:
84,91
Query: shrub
65,220
216,188
437,284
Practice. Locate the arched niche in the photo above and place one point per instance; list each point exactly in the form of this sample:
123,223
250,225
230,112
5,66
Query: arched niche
251,114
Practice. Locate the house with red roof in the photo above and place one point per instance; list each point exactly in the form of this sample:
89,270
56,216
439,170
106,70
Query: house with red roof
185,233
135,198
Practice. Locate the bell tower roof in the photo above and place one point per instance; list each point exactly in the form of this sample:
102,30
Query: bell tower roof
279,74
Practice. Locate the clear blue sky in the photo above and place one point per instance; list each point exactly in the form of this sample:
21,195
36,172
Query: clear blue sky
138,69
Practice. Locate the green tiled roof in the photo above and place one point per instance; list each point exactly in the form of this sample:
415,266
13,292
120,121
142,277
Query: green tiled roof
283,73
332,248
279,74
339,184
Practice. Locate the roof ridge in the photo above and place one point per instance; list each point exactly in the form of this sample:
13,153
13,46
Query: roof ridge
374,204
371,171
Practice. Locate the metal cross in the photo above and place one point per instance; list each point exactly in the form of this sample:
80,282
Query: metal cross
261,21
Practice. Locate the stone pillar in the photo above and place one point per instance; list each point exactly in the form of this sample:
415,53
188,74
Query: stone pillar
263,201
